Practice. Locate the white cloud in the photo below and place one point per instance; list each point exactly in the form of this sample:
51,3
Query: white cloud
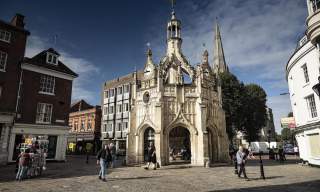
258,37
84,68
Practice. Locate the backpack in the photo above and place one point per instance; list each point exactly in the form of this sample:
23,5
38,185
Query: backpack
109,157
24,159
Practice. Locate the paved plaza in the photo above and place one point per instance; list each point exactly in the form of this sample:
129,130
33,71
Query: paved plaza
76,175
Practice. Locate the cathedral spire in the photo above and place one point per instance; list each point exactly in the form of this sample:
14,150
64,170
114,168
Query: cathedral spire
219,62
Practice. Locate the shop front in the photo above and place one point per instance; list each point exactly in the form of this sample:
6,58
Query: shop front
27,133
81,143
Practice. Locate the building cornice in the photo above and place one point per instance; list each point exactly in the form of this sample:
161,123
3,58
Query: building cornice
290,63
40,126
306,127
46,71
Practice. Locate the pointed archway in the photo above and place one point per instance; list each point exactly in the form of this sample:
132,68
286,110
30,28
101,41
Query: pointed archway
213,145
148,137
179,145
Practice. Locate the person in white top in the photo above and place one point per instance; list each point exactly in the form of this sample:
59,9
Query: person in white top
296,151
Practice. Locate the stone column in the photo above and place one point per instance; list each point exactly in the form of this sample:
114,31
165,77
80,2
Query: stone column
11,146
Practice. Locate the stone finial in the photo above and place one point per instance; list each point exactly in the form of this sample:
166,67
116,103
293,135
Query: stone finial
205,56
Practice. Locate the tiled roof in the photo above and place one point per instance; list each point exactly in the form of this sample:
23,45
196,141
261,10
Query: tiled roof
40,60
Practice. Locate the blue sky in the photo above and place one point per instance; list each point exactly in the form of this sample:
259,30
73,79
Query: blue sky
102,40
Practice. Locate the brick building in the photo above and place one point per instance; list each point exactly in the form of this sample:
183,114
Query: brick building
85,127
13,37
44,103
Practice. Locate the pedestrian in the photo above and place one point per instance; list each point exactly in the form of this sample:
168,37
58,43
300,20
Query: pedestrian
296,151
276,153
152,158
24,160
280,151
103,158
241,161
231,152
112,148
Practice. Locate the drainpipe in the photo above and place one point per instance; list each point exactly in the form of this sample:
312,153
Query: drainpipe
16,111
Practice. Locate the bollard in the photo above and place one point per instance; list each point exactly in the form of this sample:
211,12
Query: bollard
261,167
87,160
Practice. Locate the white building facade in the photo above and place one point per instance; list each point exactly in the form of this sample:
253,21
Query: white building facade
303,70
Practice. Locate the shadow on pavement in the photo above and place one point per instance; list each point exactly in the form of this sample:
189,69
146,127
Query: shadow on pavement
73,167
132,178
310,186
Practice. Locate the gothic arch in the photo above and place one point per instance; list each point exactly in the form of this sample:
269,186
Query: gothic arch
213,143
143,126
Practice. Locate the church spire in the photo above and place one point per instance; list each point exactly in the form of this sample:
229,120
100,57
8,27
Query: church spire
219,62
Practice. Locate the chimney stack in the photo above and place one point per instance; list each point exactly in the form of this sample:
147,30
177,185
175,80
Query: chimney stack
17,20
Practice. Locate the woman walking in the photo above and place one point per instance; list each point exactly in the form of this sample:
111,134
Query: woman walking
103,158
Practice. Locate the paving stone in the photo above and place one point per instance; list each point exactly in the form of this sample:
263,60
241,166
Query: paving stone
75,175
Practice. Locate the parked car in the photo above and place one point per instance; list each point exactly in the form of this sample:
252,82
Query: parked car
288,149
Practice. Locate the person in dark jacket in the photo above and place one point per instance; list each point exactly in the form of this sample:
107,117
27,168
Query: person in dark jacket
103,158
152,158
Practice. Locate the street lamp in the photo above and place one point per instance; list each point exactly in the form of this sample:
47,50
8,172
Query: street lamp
316,87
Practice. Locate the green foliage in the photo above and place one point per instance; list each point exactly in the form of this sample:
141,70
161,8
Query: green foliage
290,114
278,138
255,111
232,96
286,134
244,106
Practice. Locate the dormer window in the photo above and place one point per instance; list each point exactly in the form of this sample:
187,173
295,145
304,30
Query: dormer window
52,58
5,36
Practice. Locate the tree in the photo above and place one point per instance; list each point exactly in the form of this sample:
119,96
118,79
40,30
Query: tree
286,134
232,102
254,111
290,114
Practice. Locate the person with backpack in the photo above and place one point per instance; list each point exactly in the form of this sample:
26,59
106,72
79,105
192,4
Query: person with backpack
24,160
103,158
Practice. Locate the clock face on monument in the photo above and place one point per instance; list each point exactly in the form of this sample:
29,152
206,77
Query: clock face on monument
147,71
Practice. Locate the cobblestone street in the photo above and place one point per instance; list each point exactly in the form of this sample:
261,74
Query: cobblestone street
76,175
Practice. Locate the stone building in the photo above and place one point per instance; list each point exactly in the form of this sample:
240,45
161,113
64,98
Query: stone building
85,126
167,109
13,37
117,99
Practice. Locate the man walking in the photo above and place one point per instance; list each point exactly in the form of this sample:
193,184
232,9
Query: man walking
241,161
103,158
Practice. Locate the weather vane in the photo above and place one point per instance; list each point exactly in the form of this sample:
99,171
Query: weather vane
55,37
173,2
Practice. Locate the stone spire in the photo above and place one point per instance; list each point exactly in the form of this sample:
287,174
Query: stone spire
149,67
149,61
219,62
